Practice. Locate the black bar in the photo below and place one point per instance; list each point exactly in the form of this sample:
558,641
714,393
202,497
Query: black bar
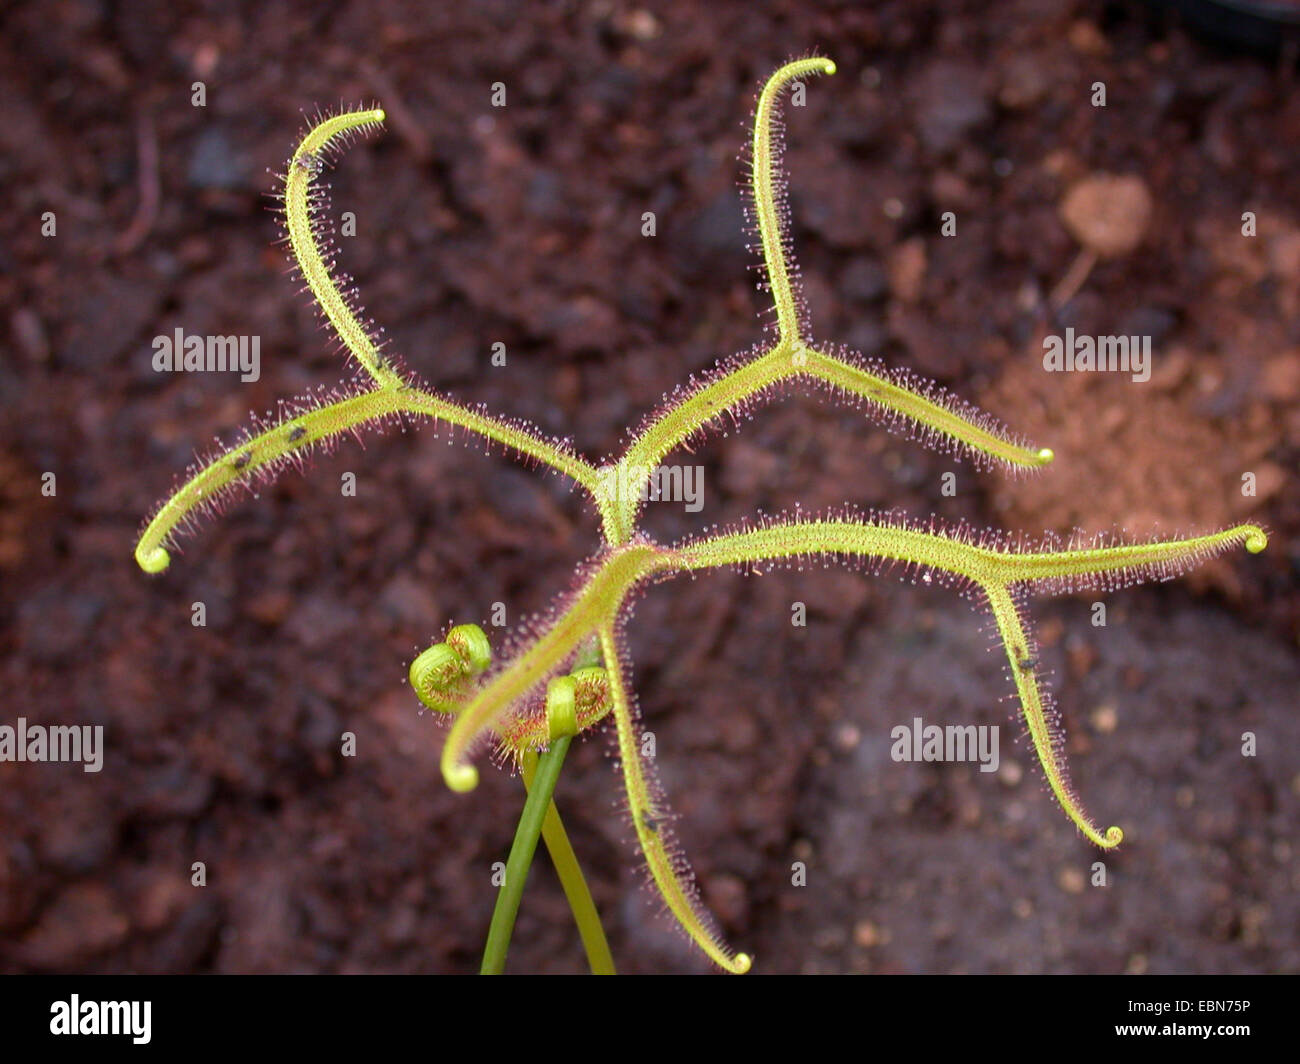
436,1015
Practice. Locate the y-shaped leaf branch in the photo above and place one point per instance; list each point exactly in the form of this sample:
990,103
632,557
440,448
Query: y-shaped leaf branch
389,396
895,396
995,573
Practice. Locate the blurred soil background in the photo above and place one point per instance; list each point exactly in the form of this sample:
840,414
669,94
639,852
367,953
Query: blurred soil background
523,225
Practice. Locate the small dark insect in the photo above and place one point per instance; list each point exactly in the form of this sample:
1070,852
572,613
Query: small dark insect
243,460
1028,663
651,824
296,433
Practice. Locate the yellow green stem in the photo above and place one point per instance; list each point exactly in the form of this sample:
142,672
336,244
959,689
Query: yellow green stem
583,907
521,856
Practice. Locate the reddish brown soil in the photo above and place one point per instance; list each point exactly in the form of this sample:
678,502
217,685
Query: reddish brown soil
523,226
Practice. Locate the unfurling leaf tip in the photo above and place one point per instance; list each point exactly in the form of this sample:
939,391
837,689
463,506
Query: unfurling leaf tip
461,778
152,561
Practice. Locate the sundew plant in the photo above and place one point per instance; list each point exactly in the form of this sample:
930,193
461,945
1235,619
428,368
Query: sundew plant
570,672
